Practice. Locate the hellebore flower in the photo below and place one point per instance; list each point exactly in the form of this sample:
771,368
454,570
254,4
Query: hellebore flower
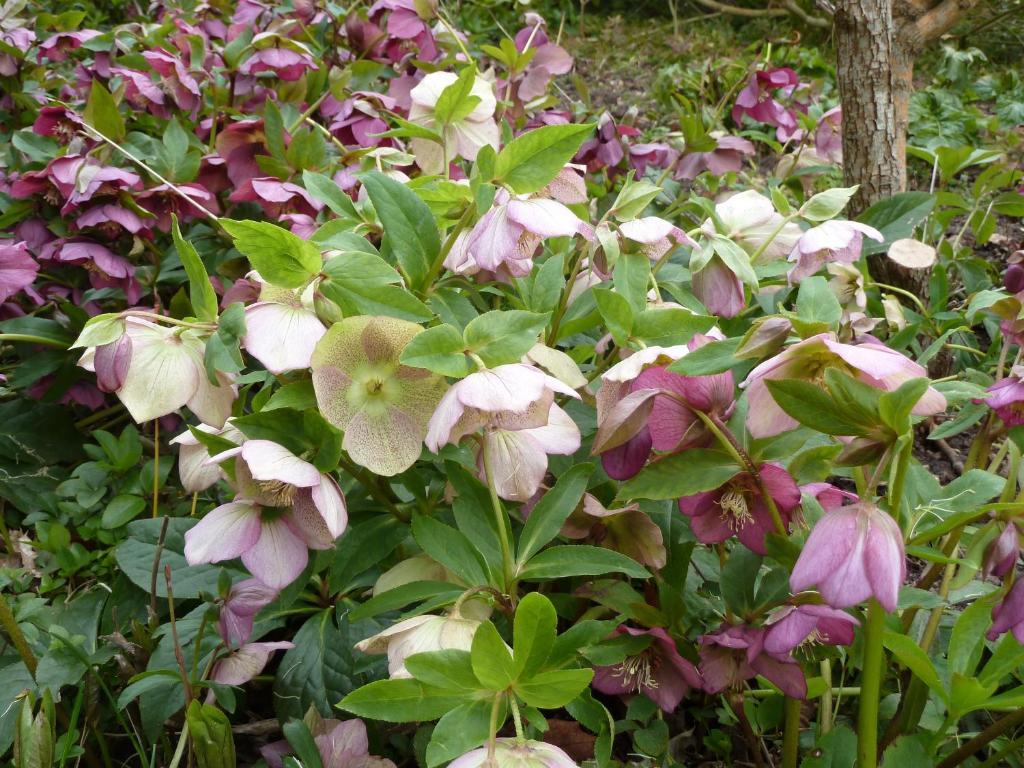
548,60
276,197
1002,553
828,138
736,653
382,406
605,149
830,241
164,371
853,553
869,362
420,634
195,470
727,156
58,122
653,155
177,78
354,121
56,47
719,289
421,567
341,744
244,601
627,529
794,625
623,437
658,671
655,236
509,233
513,753
105,268
241,666
1008,615
1006,398
17,269
282,329
284,63
757,101
847,285
284,505
462,138
750,220
738,508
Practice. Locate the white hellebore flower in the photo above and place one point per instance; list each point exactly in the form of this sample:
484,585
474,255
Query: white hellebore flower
462,138
419,635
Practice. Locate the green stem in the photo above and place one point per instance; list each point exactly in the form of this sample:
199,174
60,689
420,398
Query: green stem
870,686
899,480
825,706
449,243
179,751
993,732
791,735
30,339
10,625
517,718
500,519
492,739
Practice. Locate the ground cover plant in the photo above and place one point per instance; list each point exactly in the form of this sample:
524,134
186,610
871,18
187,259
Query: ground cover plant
382,386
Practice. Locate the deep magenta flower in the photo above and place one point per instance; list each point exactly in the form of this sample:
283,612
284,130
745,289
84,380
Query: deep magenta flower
659,671
57,47
757,101
106,269
651,155
1008,615
738,508
727,156
1006,398
285,63
606,149
356,120
628,530
870,362
17,268
735,653
853,553
177,77
59,122
1002,553
794,625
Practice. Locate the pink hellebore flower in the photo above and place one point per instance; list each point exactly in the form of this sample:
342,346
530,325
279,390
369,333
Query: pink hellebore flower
244,601
284,63
733,654
727,156
548,60
853,553
654,155
462,138
341,744
195,470
870,362
105,268
161,371
757,101
828,138
512,753
659,671
275,196
605,149
830,241
628,530
56,47
177,78
282,329
794,625
58,122
654,235
738,508
1006,398
241,666
507,235
719,289
284,506
17,268
1002,553
1008,615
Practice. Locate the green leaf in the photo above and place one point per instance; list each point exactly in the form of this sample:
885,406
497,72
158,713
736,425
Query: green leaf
364,545
210,733
827,205
500,337
302,742
456,101
530,161
579,560
916,660
491,660
812,407
399,597
459,731
363,283
402,701
815,302
632,277
669,326
101,113
713,357
439,349
153,680
682,474
122,509
616,313
836,749
533,635
738,579
448,668
907,751
451,548
551,512
895,218
281,258
554,689
200,289
324,189
410,231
